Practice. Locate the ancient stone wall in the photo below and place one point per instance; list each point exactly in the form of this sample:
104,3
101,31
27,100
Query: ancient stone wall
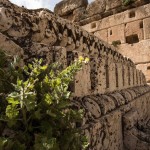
117,121
83,13
130,29
108,70
108,87
125,26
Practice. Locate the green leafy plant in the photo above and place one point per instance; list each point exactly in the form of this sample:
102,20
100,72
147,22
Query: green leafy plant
116,43
39,114
128,2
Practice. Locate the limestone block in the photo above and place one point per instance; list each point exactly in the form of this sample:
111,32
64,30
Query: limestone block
134,78
139,79
98,75
67,6
134,28
5,19
142,106
92,107
10,47
130,119
110,4
118,99
47,53
82,82
103,24
78,14
96,7
110,21
106,104
116,19
126,95
145,69
126,76
112,75
120,76
134,14
142,145
94,74
60,55
133,93
130,141
91,27
102,34
143,11
113,132
142,48
146,26
96,134
131,77
125,17
116,33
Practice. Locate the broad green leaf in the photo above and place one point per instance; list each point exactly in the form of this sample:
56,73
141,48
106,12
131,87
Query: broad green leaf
11,112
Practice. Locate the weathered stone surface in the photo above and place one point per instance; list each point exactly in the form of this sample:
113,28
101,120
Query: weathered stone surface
107,104
102,34
10,47
67,6
110,4
141,48
116,33
131,29
96,7
130,119
146,27
41,34
99,9
52,31
134,28
123,17
79,14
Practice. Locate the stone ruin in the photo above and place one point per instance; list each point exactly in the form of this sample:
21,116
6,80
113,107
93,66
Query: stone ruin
126,26
113,93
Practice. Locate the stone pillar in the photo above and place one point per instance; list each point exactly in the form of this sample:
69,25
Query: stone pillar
135,81
126,76
81,85
101,86
112,74
120,75
131,76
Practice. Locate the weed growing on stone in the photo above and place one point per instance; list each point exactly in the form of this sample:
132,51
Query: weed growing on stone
36,112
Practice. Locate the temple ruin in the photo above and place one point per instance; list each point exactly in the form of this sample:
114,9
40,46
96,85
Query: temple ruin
111,88
125,26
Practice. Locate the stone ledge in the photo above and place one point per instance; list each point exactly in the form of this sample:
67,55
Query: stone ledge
97,106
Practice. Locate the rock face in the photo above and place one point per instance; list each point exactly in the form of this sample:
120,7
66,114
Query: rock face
97,6
109,88
66,7
96,10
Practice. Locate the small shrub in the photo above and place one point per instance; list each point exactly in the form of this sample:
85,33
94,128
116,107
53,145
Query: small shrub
128,2
116,43
38,113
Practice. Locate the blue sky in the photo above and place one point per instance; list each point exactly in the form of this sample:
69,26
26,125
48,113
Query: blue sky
33,4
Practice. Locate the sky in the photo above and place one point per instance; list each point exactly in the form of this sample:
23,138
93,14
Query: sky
33,4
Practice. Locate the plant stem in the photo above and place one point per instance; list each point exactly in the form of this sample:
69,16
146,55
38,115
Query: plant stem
24,117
